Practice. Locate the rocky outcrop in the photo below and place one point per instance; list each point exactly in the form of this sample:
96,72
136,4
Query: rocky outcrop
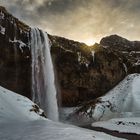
83,72
129,51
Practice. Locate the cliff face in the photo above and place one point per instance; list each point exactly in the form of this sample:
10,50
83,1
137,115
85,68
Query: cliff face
15,55
83,72
129,51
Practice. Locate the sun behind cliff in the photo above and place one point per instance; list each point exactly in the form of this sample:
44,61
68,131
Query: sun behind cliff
90,41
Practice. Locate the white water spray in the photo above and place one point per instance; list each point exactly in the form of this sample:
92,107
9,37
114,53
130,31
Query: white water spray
43,79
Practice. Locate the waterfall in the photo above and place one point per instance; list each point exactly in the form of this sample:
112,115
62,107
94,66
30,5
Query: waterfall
43,78
93,55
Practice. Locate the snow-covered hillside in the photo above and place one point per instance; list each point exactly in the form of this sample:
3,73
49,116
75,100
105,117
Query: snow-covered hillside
14,107
122,101
118,110
20,119
125,103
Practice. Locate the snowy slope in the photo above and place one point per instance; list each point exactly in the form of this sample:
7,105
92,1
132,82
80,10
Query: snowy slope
123,104
14,107
122,101
18,121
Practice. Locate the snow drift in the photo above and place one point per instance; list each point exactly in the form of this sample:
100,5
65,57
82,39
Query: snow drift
14,107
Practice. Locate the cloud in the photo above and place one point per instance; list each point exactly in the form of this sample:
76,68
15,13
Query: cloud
80,19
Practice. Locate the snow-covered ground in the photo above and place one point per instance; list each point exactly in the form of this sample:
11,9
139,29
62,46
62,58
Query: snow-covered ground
20,120
123,125
48,130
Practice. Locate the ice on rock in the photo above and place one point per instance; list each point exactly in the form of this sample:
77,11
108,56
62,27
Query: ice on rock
125,68
93,54
1,15
137,63
2,30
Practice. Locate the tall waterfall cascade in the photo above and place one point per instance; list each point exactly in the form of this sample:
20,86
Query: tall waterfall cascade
43,77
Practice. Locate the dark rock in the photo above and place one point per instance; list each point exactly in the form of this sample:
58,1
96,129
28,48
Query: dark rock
15,58
128,51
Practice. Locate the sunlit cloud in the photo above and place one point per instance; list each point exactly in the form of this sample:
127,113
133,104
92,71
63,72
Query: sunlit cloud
83,20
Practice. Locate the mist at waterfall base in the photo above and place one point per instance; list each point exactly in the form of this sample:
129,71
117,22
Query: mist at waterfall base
43,77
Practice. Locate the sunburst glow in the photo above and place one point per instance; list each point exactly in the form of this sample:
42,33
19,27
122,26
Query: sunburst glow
89,41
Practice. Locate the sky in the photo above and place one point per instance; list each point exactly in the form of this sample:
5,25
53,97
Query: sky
81,20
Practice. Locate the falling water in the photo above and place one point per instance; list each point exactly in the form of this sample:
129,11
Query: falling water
43,79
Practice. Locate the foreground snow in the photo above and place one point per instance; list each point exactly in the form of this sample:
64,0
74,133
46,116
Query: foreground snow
48,130
123,125
20,121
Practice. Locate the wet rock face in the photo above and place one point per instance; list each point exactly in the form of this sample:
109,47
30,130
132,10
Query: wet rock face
14,54
83,73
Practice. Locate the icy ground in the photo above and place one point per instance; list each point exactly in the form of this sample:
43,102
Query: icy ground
20,120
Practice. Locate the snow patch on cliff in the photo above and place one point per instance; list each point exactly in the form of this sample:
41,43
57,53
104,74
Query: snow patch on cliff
2,30
1,15
137,63
125,68
21,44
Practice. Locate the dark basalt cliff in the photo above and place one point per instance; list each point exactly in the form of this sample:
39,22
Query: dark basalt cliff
81,75
83,72
128,50
15,58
